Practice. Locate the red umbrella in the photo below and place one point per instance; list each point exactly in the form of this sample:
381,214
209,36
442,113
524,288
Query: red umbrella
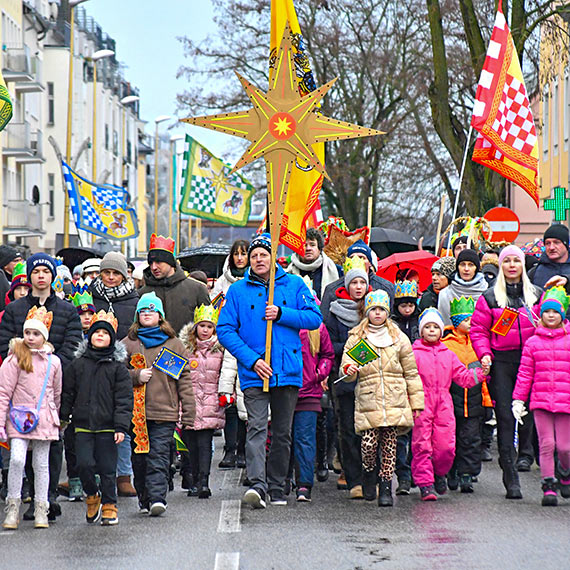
405,265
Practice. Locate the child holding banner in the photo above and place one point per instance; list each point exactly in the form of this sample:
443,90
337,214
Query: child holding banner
159,361
206,355
388,391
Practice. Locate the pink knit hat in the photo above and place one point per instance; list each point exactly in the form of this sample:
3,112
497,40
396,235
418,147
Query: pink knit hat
511,250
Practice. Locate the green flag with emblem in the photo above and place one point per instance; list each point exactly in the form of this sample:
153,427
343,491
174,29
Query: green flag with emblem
209,191
362,353
6,107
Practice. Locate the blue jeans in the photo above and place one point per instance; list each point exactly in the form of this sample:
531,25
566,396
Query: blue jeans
124,465
404,457
305,446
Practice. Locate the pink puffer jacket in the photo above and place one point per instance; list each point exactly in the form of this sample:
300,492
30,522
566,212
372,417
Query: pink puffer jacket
486,314
544,371
24,389
205,365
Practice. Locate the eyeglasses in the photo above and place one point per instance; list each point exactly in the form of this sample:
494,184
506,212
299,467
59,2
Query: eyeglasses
147,311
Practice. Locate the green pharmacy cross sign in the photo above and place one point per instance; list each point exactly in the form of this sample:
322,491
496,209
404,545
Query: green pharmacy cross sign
559,204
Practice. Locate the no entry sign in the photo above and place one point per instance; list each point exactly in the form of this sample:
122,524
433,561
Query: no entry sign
504,223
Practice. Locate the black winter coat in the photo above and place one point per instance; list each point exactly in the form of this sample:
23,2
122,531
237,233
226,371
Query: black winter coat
65,333
98,395
4,288
410,325
124,308
338,333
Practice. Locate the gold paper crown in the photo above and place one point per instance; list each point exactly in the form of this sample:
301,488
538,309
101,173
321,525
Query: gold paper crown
206,313
161,242
107,317
40,314
354,263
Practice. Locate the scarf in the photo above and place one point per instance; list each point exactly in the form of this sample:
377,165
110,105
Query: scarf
98,354
111,294
237,272
329,269
346,311
152,336
379,335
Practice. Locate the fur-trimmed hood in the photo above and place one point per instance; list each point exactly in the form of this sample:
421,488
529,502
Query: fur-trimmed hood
120,354
47,347
184,336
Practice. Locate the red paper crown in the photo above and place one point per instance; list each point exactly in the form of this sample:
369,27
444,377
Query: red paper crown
161,242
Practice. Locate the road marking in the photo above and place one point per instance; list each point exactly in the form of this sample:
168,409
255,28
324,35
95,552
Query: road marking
227,561
231,478
230,516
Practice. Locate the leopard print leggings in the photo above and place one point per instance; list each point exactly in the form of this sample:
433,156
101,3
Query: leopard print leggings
386,439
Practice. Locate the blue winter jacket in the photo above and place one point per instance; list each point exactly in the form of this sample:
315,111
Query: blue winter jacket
242,326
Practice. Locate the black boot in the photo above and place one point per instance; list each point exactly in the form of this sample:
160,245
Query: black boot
240,460
369,484
192,485
322,464
4,488
549,487
385,498
510,478
466,483
204,491
229,460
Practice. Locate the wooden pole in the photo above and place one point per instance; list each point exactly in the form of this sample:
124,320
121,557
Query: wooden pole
66,207
189,232
370,207
439,224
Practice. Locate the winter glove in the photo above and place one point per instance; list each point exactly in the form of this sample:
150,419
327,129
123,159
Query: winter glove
225,400
519,410
3,436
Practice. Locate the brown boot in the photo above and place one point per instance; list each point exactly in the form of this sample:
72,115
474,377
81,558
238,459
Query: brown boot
124,487
93,503
110,516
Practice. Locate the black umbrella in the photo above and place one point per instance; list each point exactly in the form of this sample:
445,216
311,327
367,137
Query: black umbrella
73,256
386,241
208,258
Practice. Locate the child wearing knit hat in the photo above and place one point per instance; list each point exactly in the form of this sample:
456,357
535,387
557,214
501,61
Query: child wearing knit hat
388,392
543,374
433,437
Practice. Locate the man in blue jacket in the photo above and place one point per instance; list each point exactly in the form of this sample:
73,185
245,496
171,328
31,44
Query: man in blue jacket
241,330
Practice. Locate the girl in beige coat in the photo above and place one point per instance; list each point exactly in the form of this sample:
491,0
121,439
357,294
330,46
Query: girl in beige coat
388,393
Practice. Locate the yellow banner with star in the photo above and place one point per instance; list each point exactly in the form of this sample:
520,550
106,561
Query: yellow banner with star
209,191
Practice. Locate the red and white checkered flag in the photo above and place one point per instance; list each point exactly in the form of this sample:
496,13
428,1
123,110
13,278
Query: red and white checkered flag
506,141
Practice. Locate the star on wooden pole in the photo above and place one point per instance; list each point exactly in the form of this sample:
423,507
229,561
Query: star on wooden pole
282,126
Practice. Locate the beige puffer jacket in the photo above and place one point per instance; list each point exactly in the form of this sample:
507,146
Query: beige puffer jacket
389,388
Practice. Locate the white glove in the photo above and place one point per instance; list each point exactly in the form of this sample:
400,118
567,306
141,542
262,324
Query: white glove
519,410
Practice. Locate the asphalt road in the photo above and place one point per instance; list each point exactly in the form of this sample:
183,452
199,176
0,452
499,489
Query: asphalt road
478,531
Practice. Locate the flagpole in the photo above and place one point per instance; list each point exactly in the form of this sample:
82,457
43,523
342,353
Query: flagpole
459,186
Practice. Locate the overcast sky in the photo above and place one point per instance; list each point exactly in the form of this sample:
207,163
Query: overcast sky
146,32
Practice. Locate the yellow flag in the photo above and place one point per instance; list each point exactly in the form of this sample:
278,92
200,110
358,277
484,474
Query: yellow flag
305,182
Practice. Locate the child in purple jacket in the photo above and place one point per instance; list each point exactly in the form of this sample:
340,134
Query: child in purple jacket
318,358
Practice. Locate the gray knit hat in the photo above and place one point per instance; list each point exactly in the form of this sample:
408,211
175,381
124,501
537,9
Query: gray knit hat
445,266
117,261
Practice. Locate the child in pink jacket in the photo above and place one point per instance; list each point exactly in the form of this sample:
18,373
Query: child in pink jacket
31,378
433,436
206,355
544,373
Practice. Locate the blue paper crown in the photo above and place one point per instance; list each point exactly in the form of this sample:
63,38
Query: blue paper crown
406,289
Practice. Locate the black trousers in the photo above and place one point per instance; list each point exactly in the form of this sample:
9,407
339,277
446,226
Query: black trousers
152,470
234,431
503,379
350,456
199,444
69,446
468,444
97,453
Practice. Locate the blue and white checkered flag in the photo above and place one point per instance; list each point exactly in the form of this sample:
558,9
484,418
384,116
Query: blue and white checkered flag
100,209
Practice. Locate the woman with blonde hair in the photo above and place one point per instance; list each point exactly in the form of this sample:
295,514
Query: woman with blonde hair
504,319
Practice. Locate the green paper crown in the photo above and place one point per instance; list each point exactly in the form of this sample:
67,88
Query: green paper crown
84,298
354,263
558,294
19,271
462,306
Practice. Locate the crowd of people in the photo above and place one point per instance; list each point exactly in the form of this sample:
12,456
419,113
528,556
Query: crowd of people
129,373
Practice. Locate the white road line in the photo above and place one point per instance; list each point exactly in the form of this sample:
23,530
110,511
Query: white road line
231,478
227,561
230,516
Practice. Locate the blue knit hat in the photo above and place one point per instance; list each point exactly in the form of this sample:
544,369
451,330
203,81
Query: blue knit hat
150,301
360,247
262,240
40,259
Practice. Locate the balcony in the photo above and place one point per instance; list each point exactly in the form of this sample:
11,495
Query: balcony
23,218
24,69
25,145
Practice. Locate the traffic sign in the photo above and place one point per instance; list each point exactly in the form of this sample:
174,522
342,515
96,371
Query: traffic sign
504,223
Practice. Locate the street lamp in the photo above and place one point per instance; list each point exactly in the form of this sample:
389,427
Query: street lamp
172,178
99,54
124,102
72,5
157,121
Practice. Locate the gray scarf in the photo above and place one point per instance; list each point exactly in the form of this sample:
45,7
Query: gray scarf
110,294
346,311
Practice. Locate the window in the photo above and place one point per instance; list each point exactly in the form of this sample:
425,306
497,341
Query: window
115,143
51,195
545,122
51,102
106,137
129,152
555,116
